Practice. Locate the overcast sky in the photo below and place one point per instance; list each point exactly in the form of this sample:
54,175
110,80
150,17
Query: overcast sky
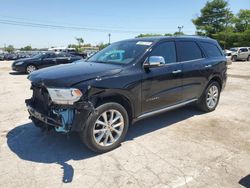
94,19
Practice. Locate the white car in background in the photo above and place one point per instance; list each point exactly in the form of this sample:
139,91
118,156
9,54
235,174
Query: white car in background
240,53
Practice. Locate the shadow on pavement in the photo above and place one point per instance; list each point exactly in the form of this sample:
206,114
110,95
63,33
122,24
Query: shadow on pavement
245,181
30,144
17,73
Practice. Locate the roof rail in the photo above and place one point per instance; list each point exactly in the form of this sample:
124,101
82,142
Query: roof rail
197,36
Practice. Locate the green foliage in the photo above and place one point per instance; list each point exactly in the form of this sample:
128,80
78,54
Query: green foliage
217,21
10,48
154,35
80,41
102,45
242,20
148,35
79,45
178,33
168,34
215,17
26,48
230,39
76,46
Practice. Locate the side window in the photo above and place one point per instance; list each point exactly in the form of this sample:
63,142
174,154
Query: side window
61,55
243,50
166,50
51,55
211,49
188,50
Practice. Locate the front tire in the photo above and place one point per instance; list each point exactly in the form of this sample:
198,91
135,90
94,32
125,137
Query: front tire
248,58
106,129
234,58
210,97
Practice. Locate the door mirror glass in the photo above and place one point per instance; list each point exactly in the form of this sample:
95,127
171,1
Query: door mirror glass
154,61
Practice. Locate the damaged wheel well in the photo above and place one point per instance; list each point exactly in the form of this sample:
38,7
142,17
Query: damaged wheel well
118,99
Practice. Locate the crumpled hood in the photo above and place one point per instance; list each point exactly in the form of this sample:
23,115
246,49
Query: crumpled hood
70,74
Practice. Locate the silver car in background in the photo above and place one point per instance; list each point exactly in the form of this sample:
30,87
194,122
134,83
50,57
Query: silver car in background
240,53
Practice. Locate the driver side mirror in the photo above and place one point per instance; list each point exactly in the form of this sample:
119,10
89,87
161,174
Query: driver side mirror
154,61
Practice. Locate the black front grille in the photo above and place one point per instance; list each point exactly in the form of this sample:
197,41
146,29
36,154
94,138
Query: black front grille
41,99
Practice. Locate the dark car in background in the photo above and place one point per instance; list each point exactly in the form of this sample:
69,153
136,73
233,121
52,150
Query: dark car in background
42,60
11,56
82,54
125,82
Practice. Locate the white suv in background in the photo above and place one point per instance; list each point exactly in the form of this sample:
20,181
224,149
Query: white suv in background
240,53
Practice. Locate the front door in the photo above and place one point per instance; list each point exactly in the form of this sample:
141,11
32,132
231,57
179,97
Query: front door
162,86
49,60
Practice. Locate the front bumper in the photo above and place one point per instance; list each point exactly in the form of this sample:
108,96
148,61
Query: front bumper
55,122
62,118
18,68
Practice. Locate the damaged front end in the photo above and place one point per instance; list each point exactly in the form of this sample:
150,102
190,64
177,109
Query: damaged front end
53,108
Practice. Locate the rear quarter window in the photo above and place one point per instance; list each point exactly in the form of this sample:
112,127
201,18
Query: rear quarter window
211,49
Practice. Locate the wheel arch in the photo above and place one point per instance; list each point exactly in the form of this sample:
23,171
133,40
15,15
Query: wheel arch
118,98
216,78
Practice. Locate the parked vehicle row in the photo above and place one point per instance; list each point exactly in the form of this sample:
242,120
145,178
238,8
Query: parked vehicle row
14,56
42,60
127,81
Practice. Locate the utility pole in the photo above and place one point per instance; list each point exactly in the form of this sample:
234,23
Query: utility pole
109,37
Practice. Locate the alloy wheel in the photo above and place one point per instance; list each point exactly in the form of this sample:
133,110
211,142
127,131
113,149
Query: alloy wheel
212,97
30,69
108,128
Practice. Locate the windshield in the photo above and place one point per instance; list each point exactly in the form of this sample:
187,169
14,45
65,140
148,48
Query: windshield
121,52
234,49
38,55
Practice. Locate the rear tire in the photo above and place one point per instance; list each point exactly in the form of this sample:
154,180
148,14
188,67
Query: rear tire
106,129
248,58
210,97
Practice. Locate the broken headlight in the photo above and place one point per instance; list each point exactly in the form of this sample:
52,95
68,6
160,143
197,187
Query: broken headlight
64,96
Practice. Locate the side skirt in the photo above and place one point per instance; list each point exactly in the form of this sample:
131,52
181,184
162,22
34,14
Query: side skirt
168,108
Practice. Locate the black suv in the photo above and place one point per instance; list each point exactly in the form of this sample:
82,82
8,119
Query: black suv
125,82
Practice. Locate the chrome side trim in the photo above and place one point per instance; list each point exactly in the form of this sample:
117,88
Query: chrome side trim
166,109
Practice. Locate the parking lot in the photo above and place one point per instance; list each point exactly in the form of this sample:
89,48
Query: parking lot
181,148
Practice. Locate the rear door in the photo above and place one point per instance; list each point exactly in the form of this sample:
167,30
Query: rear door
161,86
194,66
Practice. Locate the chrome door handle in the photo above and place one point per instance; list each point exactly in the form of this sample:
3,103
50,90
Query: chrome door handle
208,66
177,71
